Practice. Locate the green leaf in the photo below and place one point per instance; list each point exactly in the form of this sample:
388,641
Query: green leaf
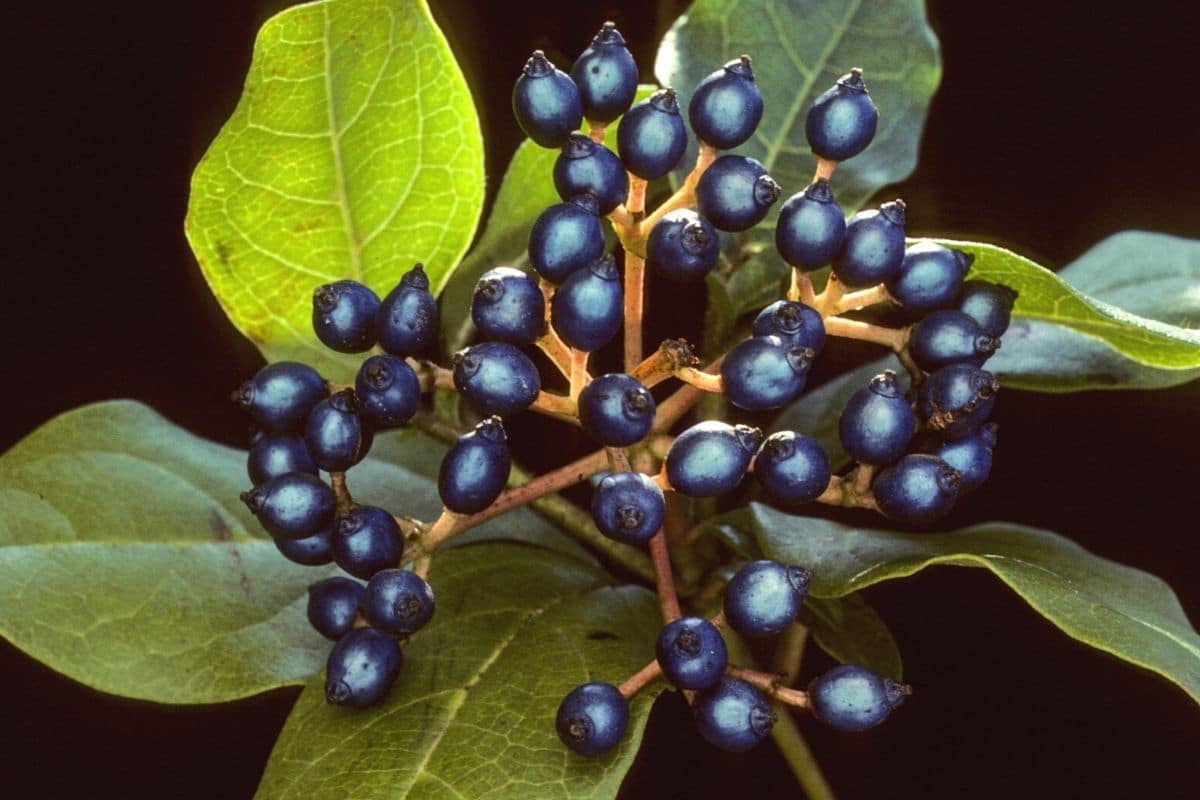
472,713
354,152
849,630
1120,610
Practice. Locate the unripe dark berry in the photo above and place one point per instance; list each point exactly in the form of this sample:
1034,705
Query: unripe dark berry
989,304
311,551
692,653
588,309
797,324
727,105
682,245
333,605
592,718
566,237
496,378
970,455
710,458
853,698
735,193
877,423
408,316
764,372
361,668
606,76
948,336
764,597
546,102
811,227
873,247
274,454
841,121
957,399
930,276
280,395
918,488
793,468
651,136
585,166
343,316
616,410
733,715
475,469
397,601
292,506
628,507
508,306
367,539
334,433
388,391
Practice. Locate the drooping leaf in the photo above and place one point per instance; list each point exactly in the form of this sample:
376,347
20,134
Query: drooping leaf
848,629
354,152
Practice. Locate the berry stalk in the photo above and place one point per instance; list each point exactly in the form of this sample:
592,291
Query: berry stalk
685,195
678,404
635,298
771,685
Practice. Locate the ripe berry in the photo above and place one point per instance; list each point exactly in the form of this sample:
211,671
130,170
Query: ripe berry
361,668
546,102
852,698
566,237
989,304
793,468
949,337
930,276
408,316
280,395
735,193
764,597
496,378
797,324
957,399
616,410
277,454
587,310
841,122
584,166
397,601
971,455
367,539
335,435
711,457
628,507
343,316
877,423
733,715
651,137
333,604
508,306
606,76
292,506
873,247
388,392
918,488
692,653
683,246
764,372
475,469
726,106
311,551
592,718
811,227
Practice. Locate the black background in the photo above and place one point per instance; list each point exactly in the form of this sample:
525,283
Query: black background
1056,124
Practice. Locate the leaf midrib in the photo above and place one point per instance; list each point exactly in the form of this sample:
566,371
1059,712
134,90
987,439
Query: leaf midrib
339,171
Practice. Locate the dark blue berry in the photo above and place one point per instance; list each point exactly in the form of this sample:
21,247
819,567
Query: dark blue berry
616,410
873,247
764,597
710,458
508,306
566,237
764,372
475,469
948,336
408,316
388,392
585,166
367,539
692,653
274,454
733,715
930,276
651,137
853,698
343,316
726,106
797,324
334,433
683,246
311,551
971,455
546,102
333,605
628,507
496,378
735,193
918,488
292,506
793,468
588,310
957,399
397,601
280,395
592,718
989,304
811,227
841,121
606,76
361,668
877,423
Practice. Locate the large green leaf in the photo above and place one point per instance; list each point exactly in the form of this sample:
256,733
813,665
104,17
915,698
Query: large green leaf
848,629
472,714
354,152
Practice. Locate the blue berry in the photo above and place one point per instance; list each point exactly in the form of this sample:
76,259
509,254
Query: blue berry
388,391
273,454
616,410
343,316
957,399
918,488
475,469
651,137
361,668
841,122
710,458
793,468
566,237
764,597
508,306
735,193
280,395
692,653
930,276
811,227
592,718
367,539
946,337
989,304
397,601
585,166
628,507
311,551
546,102
853,698
292,506
408,316
496,378
333,605
726,106
764,372
606,76
683,246
733,715
970,455
877,423
797,324
873,248
334,434
588,310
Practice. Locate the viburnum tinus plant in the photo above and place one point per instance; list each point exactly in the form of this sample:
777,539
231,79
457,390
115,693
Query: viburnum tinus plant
487,621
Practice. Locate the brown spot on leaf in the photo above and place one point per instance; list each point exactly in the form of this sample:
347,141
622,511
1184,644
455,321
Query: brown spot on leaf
601,636
223,253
